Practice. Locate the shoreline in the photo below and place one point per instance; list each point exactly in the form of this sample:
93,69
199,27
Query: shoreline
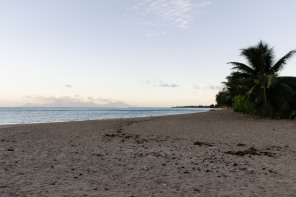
9,124
215,153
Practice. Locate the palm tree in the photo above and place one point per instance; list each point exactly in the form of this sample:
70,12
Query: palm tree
268,94
236,84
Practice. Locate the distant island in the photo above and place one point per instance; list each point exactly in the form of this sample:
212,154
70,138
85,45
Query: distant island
196,106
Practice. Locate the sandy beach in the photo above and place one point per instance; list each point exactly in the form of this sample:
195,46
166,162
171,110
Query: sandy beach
216,153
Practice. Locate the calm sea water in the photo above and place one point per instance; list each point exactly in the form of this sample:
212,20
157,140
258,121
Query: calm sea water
40,115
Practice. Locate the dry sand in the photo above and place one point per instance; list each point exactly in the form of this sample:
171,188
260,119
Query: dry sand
216,153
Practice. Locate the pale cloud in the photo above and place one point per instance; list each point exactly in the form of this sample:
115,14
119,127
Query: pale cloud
213,87
101,100
166,85
76,98
45,97
176,12
68,86
160,84
196,87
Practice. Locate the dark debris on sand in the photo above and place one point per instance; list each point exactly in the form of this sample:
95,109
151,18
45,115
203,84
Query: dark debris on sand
250,151
202,144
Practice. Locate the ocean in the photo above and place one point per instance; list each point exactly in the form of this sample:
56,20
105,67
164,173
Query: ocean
24,115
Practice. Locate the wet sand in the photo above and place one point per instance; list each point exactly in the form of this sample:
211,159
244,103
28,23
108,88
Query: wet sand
216,153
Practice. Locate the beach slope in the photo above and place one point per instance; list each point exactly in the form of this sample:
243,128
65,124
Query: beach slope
205,154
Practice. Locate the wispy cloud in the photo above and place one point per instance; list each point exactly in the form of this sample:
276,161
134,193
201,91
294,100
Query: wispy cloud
208,87
176,12
68,86
213,87
165,85
168,85
160,84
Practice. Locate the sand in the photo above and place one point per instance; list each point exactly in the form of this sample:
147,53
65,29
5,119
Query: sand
216,153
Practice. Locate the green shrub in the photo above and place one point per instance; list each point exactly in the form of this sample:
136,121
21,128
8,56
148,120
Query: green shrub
293,115
240,104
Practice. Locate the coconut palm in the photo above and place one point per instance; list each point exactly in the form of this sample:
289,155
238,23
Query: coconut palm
267,92
236,84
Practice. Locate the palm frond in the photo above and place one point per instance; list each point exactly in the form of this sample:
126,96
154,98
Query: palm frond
260,57
290,81
269,58
287,87
242,67
240,75
251,91
271,81
251,55
265,94
280,64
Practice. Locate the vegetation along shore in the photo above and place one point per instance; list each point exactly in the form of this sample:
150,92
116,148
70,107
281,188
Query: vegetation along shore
256,88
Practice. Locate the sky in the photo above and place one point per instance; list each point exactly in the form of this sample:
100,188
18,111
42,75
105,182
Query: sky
146,53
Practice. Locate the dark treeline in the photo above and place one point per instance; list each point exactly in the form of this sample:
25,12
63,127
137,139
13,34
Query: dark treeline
196,106
256,88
